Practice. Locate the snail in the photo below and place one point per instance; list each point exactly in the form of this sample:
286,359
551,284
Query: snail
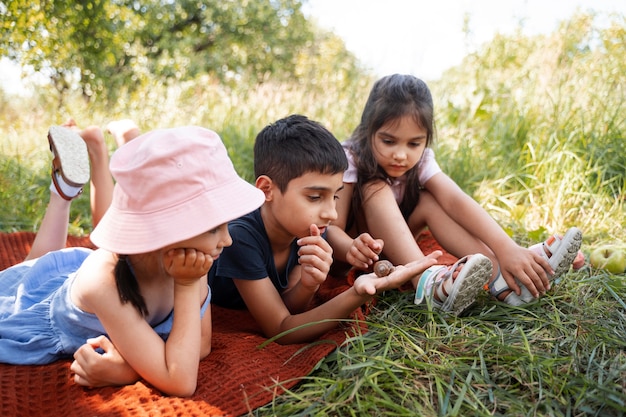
383,268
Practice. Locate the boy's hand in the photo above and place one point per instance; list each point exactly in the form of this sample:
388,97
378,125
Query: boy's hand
370,284
186,265
364,251
315,257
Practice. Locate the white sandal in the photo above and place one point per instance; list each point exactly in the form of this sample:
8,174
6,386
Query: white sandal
71,160
563,251
454,295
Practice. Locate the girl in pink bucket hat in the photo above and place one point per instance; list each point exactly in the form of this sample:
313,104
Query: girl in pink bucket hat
145,288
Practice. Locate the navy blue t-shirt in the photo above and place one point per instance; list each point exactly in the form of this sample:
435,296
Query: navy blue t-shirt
249,257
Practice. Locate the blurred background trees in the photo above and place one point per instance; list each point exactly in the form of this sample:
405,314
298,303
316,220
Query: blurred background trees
104,47
533,127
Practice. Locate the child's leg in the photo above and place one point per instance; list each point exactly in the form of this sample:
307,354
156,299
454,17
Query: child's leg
52,234
385,221
123,131
453,237
70,171
101,185
453,288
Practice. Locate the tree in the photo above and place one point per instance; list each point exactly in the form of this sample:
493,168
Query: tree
99,46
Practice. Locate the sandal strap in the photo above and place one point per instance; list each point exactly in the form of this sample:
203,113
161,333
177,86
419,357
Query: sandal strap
437,278
60,192
498,285
426,282
443,285
551,244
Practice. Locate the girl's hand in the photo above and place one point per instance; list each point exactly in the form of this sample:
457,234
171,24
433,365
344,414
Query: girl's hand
370,284
186,265
316,257
364,251
92,369
528,267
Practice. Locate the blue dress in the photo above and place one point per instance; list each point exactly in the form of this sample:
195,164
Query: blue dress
39,324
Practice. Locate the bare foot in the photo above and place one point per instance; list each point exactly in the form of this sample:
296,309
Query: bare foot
93,138
123,131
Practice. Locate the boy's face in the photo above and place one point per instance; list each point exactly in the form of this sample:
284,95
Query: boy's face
308,199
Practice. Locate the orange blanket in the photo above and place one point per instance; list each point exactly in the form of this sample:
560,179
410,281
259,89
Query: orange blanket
237,377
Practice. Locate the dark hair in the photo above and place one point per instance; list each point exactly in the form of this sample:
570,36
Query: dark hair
128,287
391,98
293,146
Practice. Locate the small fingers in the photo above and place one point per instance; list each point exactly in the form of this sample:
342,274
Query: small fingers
314,230
534,279
187,263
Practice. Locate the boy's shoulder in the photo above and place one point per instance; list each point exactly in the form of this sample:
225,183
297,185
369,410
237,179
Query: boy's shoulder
250,223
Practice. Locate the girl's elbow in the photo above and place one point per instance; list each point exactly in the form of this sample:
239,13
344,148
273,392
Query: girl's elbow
205,351
183,390
284,341
273,336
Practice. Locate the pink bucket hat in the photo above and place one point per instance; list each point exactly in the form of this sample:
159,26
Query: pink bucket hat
171,185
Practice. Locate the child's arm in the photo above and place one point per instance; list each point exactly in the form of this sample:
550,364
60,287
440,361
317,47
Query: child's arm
267,307
170,366
360,252
515,261
93,369
315,258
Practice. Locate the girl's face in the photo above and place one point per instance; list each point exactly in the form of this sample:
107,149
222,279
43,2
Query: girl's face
398,145
211,242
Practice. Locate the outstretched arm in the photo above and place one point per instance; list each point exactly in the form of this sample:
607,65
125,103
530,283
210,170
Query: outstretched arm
266,305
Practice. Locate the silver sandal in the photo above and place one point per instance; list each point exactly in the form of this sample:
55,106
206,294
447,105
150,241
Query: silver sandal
563,251
454,295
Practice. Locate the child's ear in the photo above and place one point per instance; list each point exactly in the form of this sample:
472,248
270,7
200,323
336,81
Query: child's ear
265,184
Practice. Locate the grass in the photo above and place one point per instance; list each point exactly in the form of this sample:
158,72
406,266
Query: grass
563,355
533,128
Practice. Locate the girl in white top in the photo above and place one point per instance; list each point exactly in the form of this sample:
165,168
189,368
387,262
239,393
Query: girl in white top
394,188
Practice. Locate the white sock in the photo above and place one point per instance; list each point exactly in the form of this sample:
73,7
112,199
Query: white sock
68,190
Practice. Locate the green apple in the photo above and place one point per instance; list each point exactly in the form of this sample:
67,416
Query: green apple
609,258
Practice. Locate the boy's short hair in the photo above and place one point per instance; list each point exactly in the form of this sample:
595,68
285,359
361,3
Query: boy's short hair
293,146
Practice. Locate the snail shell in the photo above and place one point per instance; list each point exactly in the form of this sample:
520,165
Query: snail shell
383,268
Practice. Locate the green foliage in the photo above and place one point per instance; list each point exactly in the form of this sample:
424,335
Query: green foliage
533,128
71,43
560,356
103,47
549,112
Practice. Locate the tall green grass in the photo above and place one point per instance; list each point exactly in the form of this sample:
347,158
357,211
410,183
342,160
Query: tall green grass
533,128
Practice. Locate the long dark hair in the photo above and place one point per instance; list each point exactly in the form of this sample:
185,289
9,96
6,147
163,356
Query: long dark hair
391,98
127,285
